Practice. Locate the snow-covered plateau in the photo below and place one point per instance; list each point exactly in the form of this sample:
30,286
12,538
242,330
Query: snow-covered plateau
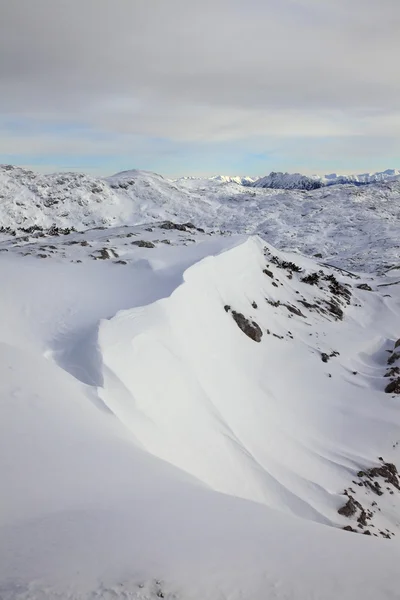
199,389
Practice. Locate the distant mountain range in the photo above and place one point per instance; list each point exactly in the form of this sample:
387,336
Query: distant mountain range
297,181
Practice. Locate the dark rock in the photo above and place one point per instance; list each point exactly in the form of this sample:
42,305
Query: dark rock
324,357
393,387
269,273
364,286
350,508
254,304
349,528
250,328
143,244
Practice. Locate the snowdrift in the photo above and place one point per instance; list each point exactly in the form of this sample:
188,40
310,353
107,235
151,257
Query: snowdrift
188,425
283,421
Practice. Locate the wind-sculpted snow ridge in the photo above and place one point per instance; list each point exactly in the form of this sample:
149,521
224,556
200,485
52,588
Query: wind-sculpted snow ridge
263,421
196,418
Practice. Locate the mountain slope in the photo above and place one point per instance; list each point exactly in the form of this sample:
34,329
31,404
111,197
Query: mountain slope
288,181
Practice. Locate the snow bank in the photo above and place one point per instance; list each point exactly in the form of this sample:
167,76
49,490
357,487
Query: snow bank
110,485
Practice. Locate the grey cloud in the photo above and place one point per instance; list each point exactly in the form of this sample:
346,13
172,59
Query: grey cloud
163,67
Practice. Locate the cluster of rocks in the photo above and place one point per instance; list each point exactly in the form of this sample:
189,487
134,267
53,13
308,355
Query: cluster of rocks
377,480
393,370
180,226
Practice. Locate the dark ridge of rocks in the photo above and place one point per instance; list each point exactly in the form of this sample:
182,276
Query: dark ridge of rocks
393,387
309,305
335,310
392,372
286,265
397,344
143,244
180,226
338,289
250,328
274,303
294,310
311,279
364,286
39,231
393,358
60,231
388,471
7,230
170,225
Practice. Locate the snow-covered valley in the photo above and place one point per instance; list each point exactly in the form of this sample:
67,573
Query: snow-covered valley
192,389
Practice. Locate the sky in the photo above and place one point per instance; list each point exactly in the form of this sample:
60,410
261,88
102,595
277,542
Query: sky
184,87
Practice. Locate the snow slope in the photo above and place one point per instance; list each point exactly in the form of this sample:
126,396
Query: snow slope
150,448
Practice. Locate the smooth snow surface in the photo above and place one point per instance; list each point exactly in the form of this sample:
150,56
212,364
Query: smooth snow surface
150,448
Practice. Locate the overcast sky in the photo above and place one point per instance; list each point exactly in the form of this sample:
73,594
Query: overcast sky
188,87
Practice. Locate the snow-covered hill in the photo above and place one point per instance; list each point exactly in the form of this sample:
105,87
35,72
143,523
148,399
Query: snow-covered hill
347,225
195,416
